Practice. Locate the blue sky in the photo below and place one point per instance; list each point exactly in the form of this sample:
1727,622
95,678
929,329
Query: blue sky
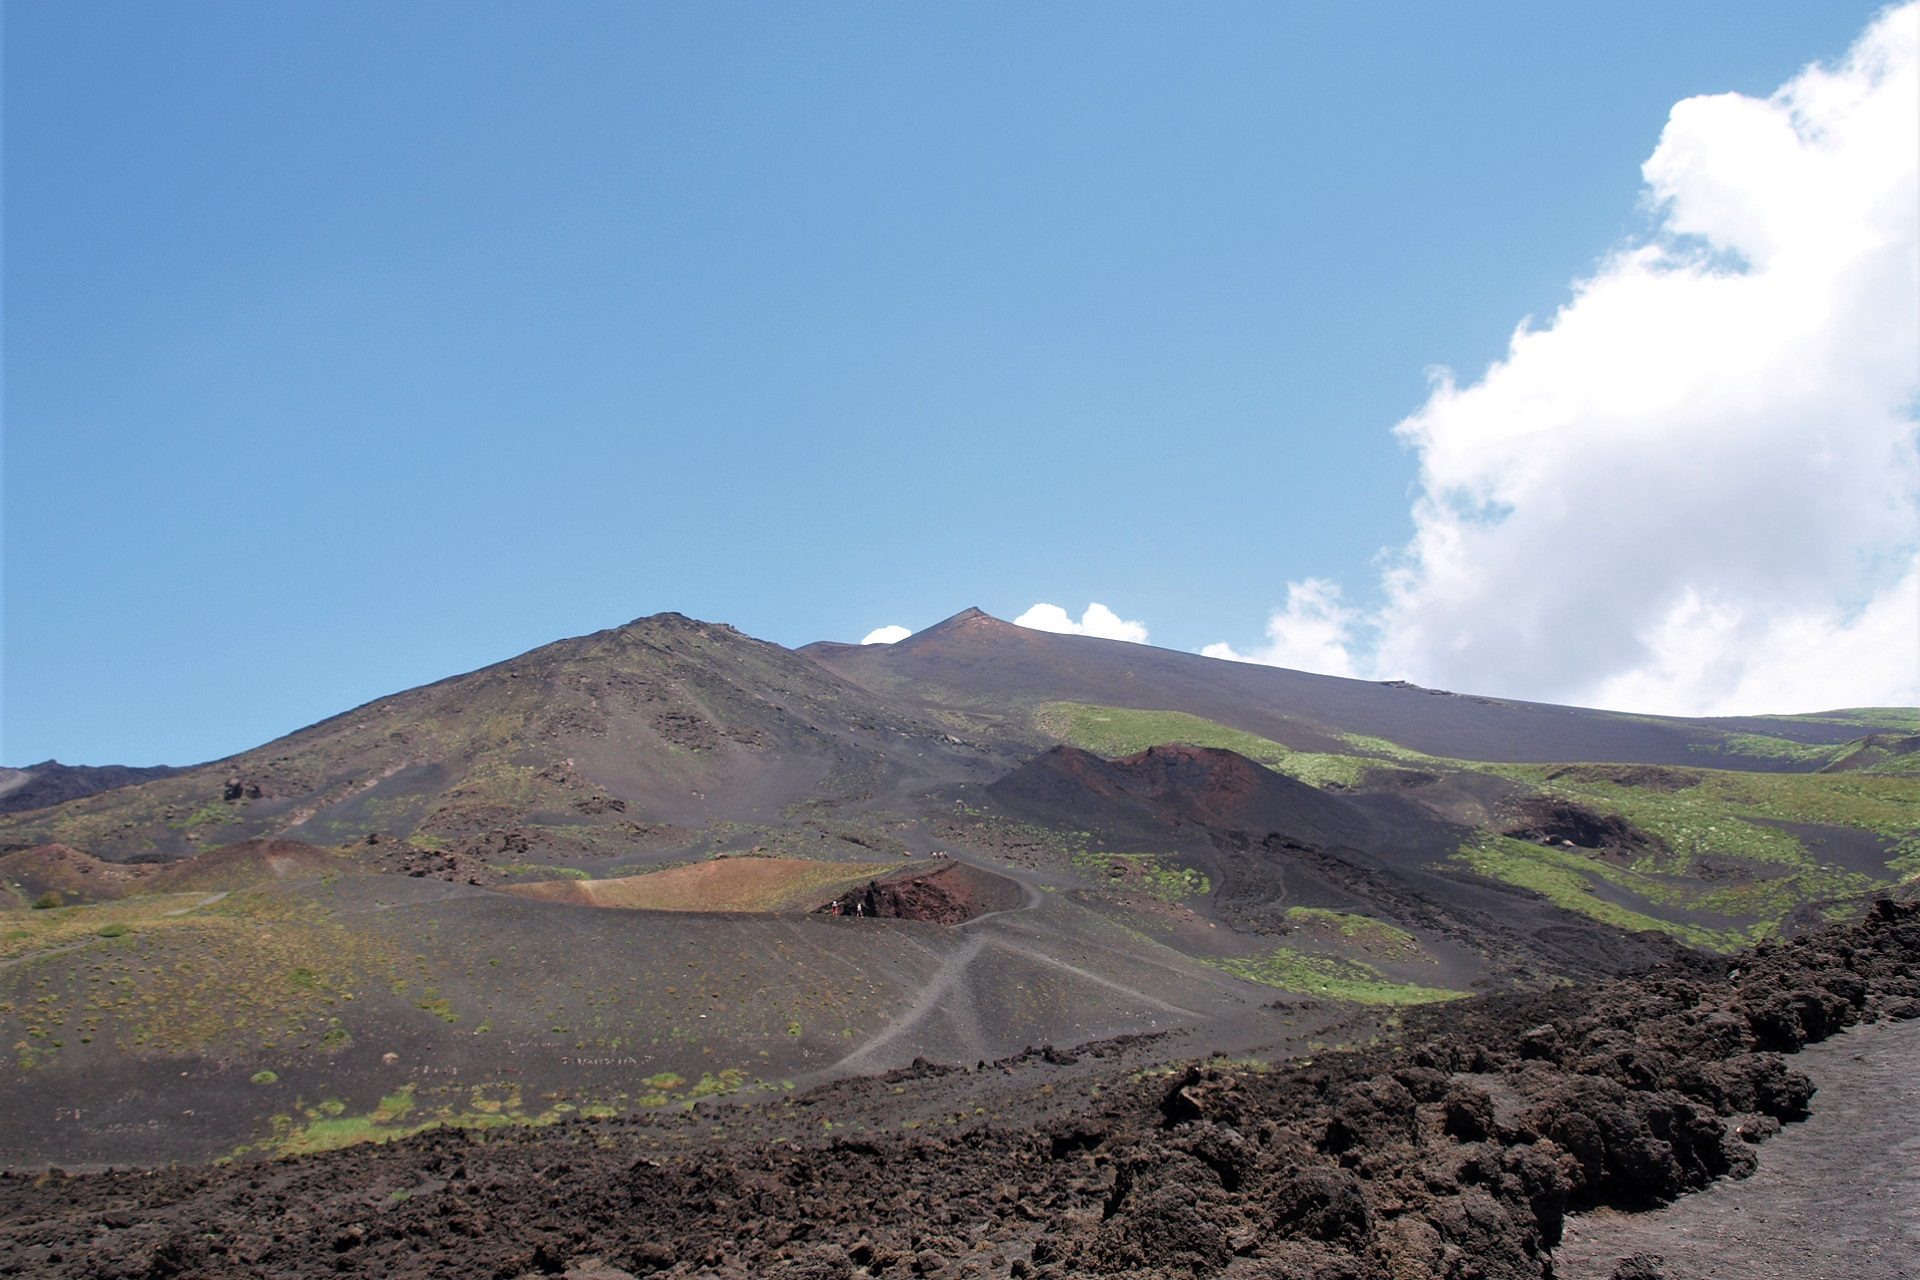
349,346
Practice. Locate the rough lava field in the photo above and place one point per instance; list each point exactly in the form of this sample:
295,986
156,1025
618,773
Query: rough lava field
988,953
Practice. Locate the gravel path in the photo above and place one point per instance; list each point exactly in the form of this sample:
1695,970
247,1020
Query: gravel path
1837,1197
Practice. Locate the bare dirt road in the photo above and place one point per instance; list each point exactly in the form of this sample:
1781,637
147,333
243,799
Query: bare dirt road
1836,1197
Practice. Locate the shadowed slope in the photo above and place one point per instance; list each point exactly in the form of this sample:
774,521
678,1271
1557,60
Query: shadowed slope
50,782
1202,786
1272,846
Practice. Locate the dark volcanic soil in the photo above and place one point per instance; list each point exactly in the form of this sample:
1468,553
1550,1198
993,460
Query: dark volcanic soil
1270,843
973,659
51,783
1454,1150
1837,1198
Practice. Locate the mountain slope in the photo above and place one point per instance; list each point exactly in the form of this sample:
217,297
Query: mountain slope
49,783
973,662
582,746
603,875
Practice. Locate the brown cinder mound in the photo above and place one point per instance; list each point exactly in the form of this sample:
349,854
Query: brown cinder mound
60,874
1176,784
952,894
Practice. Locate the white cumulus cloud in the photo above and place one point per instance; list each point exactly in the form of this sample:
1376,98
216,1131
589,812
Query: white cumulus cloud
1098,620
1695,488
890,634
1315,632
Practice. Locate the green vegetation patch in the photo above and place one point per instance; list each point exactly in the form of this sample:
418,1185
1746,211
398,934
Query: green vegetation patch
1124,731
1331,977
1762,746
215,814
542,871
330,1124
1375,937
328,1127
1895,719
1567,879
1714,811
1145,873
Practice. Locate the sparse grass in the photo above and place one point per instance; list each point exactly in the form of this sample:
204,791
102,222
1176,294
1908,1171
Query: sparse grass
1566,879
259,971
1376,937
1885,719
1714,813
716,1084
55,926
545,870
439,1006
1762,746
1331,977
328,1127
1145,873
216,813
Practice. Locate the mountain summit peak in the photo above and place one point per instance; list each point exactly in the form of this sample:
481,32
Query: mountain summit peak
969,623
970,617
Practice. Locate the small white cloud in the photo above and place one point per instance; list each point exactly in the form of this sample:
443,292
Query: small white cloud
1313,633
1098,620
890,634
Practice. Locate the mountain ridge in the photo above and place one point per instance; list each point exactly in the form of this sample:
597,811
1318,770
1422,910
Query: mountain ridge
667,861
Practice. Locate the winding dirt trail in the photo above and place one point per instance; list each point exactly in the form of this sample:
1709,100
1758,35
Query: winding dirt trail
947,994
207,901
952,972
1837,1197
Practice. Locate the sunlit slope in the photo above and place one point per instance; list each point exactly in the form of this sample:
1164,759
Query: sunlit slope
189,1025
588,746
769,885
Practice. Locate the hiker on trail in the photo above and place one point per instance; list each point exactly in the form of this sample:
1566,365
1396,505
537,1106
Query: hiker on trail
859,908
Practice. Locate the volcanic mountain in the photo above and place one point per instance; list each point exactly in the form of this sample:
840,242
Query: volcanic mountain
974,659
50,782
584,746
666,862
